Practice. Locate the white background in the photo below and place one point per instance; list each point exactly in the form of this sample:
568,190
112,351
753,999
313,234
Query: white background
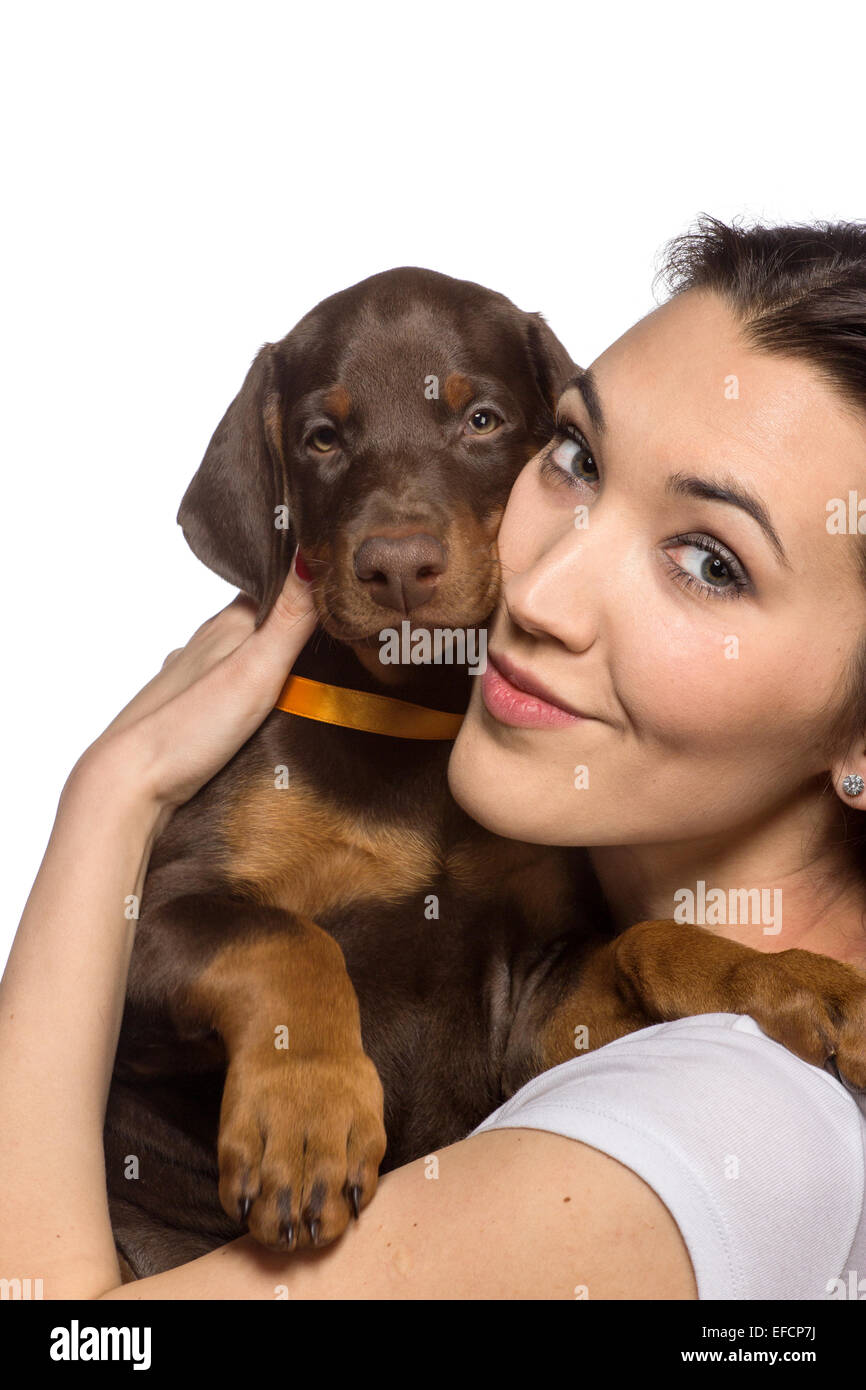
182,181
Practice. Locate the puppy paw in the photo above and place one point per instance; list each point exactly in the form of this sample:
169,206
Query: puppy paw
300,1144
812,1004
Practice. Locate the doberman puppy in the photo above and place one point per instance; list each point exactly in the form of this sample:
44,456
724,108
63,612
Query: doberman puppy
330,951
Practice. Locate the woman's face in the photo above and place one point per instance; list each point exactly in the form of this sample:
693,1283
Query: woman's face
694,628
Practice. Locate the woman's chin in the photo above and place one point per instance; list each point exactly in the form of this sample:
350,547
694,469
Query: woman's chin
479,783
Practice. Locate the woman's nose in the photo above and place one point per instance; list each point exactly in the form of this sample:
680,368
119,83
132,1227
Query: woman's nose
561,592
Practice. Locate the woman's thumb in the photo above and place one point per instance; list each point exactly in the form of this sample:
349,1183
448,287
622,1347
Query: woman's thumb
292,619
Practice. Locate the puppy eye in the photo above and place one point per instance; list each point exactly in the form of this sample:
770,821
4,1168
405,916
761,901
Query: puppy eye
484,421
323,440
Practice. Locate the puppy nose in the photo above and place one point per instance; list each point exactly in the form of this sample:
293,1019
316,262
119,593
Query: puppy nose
400,572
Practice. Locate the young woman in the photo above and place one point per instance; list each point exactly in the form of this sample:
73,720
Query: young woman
684,621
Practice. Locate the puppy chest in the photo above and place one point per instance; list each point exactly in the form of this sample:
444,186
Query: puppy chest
297,849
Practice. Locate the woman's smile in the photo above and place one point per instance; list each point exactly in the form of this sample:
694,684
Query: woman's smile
514,697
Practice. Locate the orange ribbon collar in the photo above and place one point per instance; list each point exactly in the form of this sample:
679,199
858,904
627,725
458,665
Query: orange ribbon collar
357,709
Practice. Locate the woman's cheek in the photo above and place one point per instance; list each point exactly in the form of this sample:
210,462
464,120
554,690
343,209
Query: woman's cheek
686,680
520,539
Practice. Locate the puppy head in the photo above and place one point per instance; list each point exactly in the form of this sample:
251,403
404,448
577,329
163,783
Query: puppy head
383,435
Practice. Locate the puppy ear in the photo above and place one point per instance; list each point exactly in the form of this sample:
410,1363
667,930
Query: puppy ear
551,363
229,511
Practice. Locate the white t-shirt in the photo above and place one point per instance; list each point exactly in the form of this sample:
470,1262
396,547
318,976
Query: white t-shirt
758,1156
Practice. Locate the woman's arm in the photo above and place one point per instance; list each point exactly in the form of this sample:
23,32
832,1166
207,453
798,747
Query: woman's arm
512,1214
61,997
61,1002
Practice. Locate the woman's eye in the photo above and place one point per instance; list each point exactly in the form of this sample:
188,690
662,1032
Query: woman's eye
484,421
573,456
323,440
702,561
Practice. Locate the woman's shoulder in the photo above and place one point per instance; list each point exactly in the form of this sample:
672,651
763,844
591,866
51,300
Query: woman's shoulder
758,1155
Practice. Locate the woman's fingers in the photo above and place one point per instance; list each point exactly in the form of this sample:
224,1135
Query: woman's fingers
211,642
287,628
255,672
213,694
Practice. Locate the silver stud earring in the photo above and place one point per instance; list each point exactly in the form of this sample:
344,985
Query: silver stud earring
853,784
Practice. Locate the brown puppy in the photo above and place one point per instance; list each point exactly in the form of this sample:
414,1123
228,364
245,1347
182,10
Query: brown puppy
326,879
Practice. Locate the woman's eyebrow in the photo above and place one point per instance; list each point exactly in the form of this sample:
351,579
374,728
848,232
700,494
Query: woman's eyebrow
586,385
728,490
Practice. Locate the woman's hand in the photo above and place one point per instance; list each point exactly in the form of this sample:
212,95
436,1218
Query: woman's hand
207,700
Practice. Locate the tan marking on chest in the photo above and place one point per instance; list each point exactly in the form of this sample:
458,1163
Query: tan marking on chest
292,848
533,877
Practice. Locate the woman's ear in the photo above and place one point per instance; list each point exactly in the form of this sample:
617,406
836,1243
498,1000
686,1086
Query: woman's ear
234,514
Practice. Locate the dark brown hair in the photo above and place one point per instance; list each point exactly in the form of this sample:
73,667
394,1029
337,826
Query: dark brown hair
797,291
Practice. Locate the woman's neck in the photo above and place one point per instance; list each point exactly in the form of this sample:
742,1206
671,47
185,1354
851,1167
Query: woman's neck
756,890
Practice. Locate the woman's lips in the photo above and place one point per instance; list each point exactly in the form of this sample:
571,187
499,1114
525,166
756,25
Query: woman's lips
513,697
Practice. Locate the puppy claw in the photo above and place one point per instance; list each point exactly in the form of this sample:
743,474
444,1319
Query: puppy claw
287,1167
